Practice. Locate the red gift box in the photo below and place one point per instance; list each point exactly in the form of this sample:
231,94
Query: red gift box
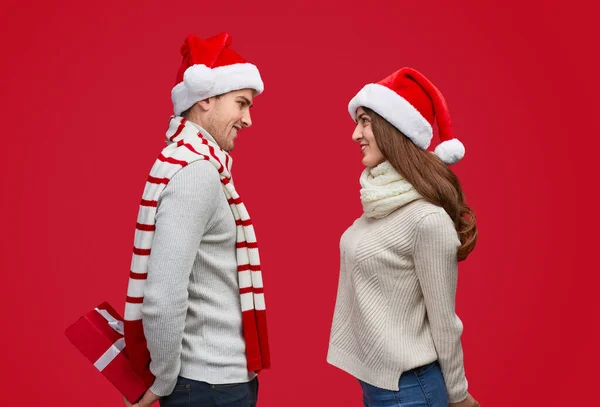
99,336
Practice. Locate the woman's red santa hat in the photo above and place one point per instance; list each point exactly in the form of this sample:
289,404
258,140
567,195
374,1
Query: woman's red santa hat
210,68
411,103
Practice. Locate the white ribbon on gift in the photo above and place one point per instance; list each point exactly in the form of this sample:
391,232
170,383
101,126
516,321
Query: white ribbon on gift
116,347
112,322
110,354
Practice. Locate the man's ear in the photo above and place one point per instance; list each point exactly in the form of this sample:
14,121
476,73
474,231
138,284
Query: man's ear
206,104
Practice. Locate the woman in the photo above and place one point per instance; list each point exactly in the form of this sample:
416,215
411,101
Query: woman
394,327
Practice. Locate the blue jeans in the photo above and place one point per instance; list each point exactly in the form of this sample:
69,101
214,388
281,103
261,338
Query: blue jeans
191,393
420,387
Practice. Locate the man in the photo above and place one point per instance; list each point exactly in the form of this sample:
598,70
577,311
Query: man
195,324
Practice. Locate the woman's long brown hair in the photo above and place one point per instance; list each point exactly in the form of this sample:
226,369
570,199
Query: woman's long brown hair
430,176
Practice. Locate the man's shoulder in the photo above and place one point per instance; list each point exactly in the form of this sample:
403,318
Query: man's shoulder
199,176
200,169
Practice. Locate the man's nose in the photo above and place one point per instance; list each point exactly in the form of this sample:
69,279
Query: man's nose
246,119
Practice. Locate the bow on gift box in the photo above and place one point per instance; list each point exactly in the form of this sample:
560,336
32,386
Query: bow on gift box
117,347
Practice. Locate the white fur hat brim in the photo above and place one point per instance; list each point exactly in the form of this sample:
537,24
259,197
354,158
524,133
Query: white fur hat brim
201,82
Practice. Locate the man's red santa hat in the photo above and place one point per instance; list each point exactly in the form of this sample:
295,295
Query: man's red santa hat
210,68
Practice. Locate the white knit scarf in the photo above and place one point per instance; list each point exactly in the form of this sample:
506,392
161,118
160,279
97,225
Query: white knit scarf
384,190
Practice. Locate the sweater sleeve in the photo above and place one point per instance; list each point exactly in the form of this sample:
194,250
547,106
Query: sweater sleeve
437,270
184,209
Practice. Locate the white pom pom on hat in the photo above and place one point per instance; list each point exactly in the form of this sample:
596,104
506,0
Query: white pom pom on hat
412,104
450,151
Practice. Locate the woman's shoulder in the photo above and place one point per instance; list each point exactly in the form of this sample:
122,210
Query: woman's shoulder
419,210
422,216
430,220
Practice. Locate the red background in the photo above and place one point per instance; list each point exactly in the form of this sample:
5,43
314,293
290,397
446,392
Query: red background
85,101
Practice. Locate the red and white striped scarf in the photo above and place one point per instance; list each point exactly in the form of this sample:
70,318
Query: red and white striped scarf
186,145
